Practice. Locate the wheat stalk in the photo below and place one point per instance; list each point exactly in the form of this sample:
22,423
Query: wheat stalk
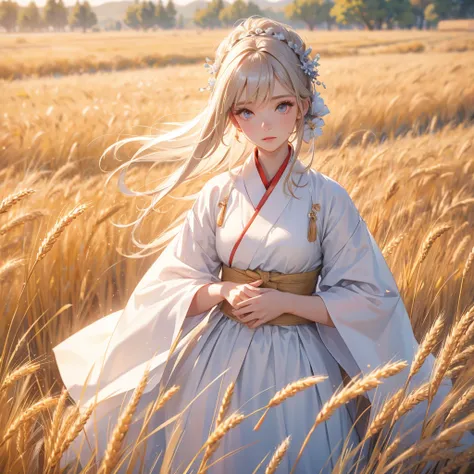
166,396
288,391
466,337
278,456
56,421
73,432
464,202
435,234
428,446
12,199
112,453
411,400
20,220
425,348
386,454
109,212
392,190
393,244
7,268
457,233
449,349
467,266
29,413
350,391
461,460
460,249
212,443
462,403
19,373
225,403
388,408
57,443
462,357
54,234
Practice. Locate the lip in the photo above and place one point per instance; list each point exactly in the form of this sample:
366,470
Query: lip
269,138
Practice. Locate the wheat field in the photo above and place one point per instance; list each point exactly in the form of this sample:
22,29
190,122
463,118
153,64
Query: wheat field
399,138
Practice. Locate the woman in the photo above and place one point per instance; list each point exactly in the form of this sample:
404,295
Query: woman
238,284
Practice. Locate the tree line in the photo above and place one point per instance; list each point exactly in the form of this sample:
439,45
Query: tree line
146,14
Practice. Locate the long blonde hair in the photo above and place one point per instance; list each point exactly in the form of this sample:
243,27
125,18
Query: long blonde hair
207,143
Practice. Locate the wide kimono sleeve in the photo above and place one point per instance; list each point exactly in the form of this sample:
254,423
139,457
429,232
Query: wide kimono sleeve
108,357
372,326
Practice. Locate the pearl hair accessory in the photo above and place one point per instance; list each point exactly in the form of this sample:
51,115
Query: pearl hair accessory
313,120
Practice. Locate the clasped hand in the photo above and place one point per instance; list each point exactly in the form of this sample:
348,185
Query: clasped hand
255,306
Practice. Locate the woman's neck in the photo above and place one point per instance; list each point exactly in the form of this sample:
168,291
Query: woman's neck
272,160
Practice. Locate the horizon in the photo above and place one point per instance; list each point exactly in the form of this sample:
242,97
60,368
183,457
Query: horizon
96,3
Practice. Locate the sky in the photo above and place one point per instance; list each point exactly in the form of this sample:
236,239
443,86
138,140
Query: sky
41,3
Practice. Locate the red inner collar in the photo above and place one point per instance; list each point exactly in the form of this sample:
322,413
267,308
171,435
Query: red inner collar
278,174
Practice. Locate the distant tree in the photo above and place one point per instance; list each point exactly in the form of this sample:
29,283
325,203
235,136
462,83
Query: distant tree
160,14
62,15
238,10
420,6
55,14
444,9
131,16
407,19
180,22
118,25
170,14
9,15
310,12
146,15
396,11
431,17
370,13
209,17
82,16
30,18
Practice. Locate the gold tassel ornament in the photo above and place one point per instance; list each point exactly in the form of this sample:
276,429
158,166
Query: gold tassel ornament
312,230
223,206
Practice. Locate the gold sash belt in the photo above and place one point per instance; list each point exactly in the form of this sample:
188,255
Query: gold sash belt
297,283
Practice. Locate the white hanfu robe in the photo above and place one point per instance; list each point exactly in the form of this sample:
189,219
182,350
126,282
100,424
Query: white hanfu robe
371,328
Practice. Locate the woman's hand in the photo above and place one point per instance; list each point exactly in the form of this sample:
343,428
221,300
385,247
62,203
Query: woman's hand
261,308
236,293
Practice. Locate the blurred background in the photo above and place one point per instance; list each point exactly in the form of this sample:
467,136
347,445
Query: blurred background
77,77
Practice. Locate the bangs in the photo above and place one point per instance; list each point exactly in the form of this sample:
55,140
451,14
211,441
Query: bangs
253,80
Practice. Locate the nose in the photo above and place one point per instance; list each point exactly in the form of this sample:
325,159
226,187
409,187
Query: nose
266,125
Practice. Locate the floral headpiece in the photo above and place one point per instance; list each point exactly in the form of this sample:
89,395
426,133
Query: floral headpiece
313,120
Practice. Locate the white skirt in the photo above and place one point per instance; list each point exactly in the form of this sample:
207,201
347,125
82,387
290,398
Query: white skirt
261,361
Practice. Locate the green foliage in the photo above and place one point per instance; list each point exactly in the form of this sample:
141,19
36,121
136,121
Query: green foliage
209,17
238,10
431,16
373,14
310,12
146,15
30,18
55,14
131,16
82,16
8,14
170,12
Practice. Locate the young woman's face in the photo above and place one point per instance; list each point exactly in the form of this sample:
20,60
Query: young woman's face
267,126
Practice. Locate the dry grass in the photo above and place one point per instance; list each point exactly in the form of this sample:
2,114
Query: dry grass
399,138
72,53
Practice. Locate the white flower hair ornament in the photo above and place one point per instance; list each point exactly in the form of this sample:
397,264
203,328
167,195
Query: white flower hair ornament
313,120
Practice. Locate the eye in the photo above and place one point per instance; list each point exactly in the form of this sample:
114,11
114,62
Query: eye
243,113
284,106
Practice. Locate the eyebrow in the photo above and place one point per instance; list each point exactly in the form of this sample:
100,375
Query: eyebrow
240,104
